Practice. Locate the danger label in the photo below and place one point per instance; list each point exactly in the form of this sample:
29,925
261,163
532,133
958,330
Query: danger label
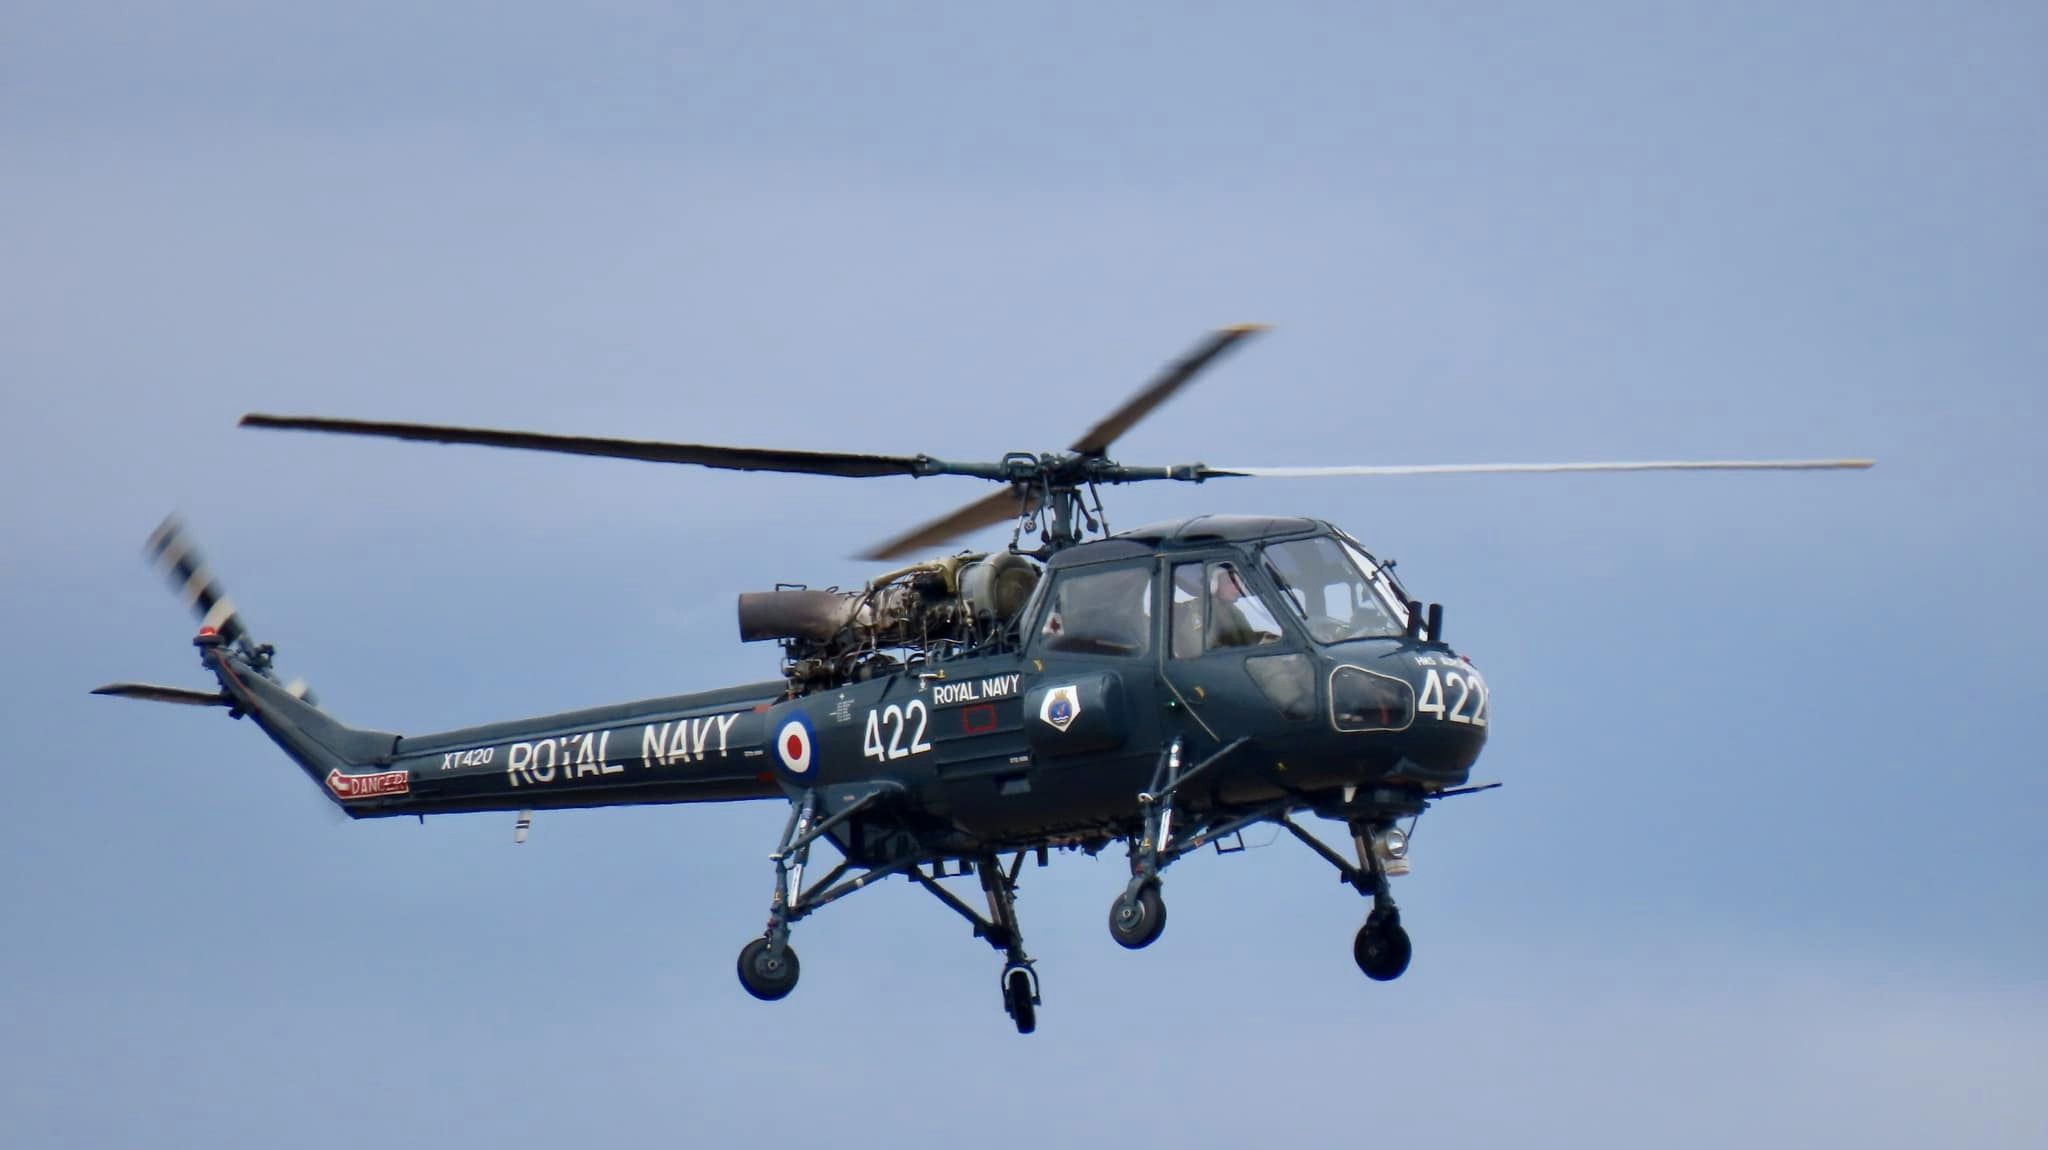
367,786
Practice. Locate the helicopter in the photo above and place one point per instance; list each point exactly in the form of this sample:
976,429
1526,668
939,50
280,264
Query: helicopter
1166,687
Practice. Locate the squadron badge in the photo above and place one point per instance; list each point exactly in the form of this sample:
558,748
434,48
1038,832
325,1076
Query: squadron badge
1061,707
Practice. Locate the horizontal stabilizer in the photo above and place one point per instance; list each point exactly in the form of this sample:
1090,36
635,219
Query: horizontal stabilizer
161,694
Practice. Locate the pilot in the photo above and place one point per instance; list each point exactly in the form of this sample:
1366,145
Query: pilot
1228,626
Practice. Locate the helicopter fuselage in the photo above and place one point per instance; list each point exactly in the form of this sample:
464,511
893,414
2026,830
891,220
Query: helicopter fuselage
1049,739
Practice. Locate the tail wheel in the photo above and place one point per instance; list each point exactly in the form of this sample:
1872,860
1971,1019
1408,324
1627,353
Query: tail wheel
768,975
1136,922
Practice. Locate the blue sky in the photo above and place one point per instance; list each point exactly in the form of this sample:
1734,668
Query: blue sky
1768,863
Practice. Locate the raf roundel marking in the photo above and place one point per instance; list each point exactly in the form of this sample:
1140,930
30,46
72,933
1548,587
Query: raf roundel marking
793,744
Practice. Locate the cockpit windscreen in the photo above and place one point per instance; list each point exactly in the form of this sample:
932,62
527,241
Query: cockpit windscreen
1337,590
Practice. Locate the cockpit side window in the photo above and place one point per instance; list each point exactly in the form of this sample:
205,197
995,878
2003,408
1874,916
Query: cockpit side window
1099,611
1215,609
1333,595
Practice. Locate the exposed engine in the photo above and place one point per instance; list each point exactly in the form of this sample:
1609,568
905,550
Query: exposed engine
927,611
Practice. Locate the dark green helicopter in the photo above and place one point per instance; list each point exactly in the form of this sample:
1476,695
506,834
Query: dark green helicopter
1166,687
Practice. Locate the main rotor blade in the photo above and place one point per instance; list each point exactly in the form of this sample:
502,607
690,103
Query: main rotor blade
1096,440
995,507
704,455
1510,468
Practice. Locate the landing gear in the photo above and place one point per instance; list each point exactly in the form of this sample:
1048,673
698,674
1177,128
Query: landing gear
1136,921
1000,929
768,972
1381,949
767,965
1138,915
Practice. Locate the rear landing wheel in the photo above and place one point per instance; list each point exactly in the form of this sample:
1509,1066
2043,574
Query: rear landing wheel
1382,950
1136,922
767,976
1020,999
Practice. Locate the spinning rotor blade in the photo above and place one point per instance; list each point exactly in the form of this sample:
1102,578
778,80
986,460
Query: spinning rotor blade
993,509
704,455
1510,468
1097,439
170,548
989,510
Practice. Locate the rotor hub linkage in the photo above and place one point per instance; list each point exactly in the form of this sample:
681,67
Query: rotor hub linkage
1064,488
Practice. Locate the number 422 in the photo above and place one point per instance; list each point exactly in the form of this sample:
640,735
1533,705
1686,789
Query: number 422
897,720
1468,707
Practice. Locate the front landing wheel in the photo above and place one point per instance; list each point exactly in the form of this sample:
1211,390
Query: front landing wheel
1020,999
768,975
1136,922
1382,950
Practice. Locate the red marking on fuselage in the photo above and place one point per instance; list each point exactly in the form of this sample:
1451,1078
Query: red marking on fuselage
978,719
368,786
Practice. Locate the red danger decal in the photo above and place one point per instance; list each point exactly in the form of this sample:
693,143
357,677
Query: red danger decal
368,786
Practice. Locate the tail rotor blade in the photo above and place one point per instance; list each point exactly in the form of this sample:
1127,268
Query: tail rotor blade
170,547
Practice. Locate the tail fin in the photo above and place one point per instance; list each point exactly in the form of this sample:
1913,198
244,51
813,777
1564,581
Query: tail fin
330,752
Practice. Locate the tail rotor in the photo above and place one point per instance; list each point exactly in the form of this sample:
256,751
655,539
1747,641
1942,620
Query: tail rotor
170,547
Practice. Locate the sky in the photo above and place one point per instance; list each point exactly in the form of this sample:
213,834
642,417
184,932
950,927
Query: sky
1768,862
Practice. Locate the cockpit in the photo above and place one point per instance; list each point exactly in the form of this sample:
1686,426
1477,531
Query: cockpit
1285,629
1242,583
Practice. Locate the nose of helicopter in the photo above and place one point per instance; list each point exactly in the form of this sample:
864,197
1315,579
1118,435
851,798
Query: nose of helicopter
1431,702
1453,710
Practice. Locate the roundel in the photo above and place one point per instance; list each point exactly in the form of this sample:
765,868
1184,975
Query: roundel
793,744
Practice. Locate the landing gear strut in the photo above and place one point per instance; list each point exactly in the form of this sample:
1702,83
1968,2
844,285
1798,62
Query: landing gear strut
1138,916
767,965
1020,980
1382,948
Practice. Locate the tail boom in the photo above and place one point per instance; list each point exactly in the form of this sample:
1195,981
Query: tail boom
705,747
